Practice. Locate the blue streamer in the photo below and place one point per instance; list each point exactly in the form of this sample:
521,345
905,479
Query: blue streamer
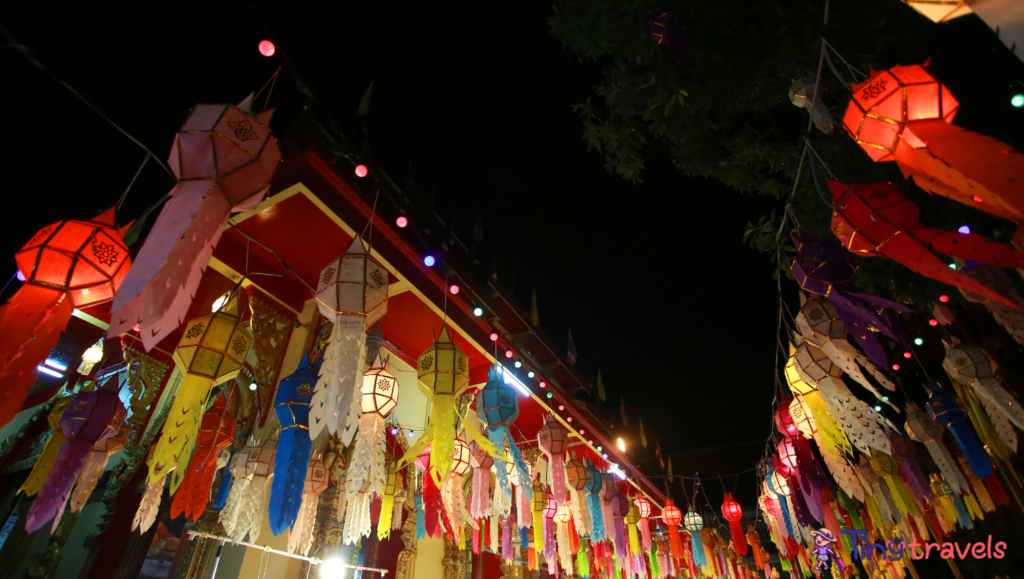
498,439
524,537
961,513
224,489
698,549
421,512
597,528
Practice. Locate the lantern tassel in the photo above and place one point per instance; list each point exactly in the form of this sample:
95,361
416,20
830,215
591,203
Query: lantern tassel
224,489
162,282
557,470
181,427
292,458
442,417
92,470
31,323
44,464
596,517
340,375
54,495
997,400
149,506
431,503
481,502
634,539
228,516
538,530
699,559
645,533
739,539
387,506
194,493
300,538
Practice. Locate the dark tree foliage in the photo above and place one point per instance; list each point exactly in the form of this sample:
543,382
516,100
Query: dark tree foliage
726,115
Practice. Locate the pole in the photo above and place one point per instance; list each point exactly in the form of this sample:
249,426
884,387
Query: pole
311,560
216,559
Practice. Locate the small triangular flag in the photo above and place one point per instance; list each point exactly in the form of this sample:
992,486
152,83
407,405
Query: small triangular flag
643,437
600,386
534,314
570,354
670,469
622,410
657,453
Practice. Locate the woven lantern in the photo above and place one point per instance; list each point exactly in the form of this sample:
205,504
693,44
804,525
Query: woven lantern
211,352
379,390
94,416
295,395
553,440
575,473
379,394
352,293
443,375
70,264
693,523
497,406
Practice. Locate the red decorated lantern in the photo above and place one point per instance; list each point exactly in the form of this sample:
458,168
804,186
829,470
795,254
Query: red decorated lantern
732,512
784,420
70,264
672,516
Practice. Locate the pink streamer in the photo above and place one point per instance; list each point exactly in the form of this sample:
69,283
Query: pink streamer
54,495
557,469
523,509
506,539
549,538
481,504
645,533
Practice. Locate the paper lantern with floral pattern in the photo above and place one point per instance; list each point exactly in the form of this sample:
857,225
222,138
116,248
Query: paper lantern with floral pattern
553,440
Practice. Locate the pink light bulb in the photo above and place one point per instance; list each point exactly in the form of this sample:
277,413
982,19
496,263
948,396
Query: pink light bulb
494,338
454,289
267,48
362,171
401,221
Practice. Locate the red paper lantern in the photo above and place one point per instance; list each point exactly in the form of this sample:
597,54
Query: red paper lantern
70,264
670,514
784,421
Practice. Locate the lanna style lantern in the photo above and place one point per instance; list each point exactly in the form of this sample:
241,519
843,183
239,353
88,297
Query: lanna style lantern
241,475
876,220
70,264
94,466
888,469
553,441
522,498
223,158
566,546
970,366
353,294
379,396
216,434
94,416
497,406
693,523
997,280
905,452
593,493
643,507
608,490
672,517
211,352
300,537
538,503
733,513
294,447
442,376
921,428
632,519
387,503
904,114
576,479
945,410
48,458
254,502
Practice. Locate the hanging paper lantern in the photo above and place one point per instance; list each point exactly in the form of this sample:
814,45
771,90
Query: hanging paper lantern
497,406
672,517
806,94
593,493
216,433
903,114
241,475
825,268
94,466
693,523
352,294
945,410
779,484
575,474
93,417
784,421
379,396
292,407
70,264
223,158
787,453
538,503
876,220
553,440
300,537
387,503
732,512
644,512
211,352
970,365
923,429
48,458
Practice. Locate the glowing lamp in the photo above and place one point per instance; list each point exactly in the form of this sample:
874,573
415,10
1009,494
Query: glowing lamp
563,515
568,419
784,421
964,229
543,384
91,357
497,403
332,568
895,366
977,199
562,407
401,221
530,374
693,522
621,444
519,364
575,474
361,171
644,507
19,275
508,353
906,355
460,458
494,337
411,433
600,449
787,453
219,302
550,395
778,484
454,289
267,48
943,298
582,432
478,311
394,432
731,510
379,390
429,261
443,375
605,456
253,386
1017,100
933,322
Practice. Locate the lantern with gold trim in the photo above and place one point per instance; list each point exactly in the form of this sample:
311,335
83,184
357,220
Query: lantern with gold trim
733,512
643,507
241,474
387,503
538,503
353,294
576,477
378,397
94,416
671,515
70,264
211,352
593,492
292,406
497,405
694,523
553,440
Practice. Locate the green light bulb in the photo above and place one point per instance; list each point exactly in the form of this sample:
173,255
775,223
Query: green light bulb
1017,100
918,341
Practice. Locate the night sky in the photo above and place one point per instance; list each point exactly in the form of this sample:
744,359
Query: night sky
475,106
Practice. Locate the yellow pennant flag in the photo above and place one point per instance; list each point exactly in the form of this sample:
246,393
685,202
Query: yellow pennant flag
670,469
643,437
600,386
